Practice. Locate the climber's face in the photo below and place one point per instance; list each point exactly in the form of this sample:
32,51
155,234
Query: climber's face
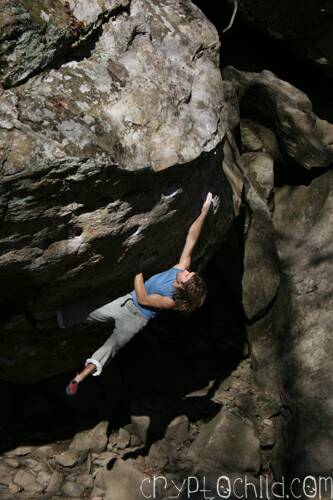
183,276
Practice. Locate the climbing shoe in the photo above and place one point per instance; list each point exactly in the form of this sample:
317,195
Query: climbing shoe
72,388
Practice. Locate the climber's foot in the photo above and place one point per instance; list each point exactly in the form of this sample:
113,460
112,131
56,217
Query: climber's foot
72,388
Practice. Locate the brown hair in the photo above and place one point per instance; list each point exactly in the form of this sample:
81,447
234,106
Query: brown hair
191,296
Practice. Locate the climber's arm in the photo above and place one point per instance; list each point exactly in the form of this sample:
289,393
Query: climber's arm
151,300
193,235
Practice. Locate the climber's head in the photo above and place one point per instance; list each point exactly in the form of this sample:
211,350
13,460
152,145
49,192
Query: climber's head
191,291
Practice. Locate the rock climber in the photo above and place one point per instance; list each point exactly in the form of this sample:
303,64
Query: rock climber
176,288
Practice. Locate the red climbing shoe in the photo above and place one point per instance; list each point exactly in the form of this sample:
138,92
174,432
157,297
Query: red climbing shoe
72,388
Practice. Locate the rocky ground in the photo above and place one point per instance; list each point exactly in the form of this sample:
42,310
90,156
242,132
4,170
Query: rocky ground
98,462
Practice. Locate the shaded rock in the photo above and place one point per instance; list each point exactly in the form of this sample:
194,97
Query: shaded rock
94,440
291,345
85,480
301,327
45,451
55,483
285,110
158,453
104,458
261,263
12,462
36,36
43,478
72,489
69,458
257,137
177,430
231,105
267,433
123,438
6,473
226,443
27,481
14,488
123,481
326,133
32,464
97,493
21,451
141,425
259,168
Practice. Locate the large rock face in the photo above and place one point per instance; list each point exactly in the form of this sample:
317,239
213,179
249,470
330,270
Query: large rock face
106,156
288,272
305,26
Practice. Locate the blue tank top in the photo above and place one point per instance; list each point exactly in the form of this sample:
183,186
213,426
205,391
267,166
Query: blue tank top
161,283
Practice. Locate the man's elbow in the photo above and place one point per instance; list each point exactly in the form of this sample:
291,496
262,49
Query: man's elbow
143,301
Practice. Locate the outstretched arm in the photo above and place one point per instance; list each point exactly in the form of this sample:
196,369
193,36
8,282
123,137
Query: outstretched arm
194,234
151,300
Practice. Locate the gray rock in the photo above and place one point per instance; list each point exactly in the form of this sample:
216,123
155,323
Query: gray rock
21,451
123,438
141,425
123,482
258,138
43,478
278,105
85,480
267,433
12,462
83,145
291,345
6,473
261,263
104,458
302,319
72,489
259,168
27,481
69,458
14,488
54,486
177,430
45,451
158,453
94,440
226,444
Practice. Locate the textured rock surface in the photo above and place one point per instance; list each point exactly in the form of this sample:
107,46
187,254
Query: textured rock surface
287,280
261,277
104,158
290,340
286,111
303,318
307,27
125,482
227,444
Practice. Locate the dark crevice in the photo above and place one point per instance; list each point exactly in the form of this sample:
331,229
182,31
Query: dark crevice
295,175
249,49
